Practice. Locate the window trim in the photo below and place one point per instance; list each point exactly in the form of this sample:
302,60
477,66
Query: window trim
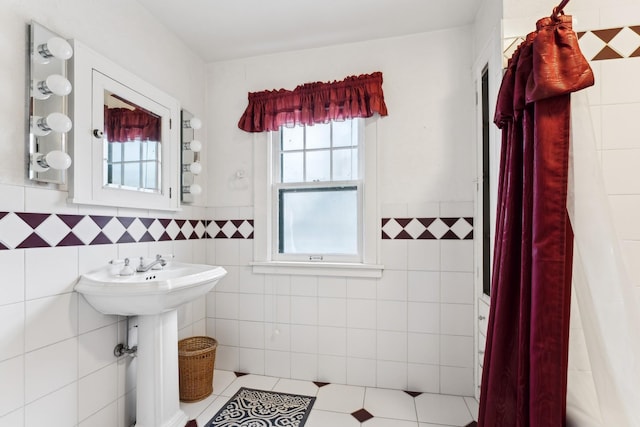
263,259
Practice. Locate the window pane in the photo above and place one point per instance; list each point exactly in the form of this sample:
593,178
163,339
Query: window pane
132,175
115,174
342,133
115,152
150,175
319,221
292,138
292,167
318,166
131,150
345,164
149,150
319,136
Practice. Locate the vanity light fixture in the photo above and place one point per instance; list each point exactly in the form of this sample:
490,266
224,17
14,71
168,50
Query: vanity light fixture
57,122
194,189
55,84
192,123
55,47
47,115
58,160
194,146
190,159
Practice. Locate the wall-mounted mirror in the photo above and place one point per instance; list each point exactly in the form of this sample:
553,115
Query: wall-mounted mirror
190,157
126,139
47,116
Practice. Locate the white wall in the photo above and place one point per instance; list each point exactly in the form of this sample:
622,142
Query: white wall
412,329
56,362
427,140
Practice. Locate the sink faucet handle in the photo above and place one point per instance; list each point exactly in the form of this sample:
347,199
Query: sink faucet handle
119,261
127,270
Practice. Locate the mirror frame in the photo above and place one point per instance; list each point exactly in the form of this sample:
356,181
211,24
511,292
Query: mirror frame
86,181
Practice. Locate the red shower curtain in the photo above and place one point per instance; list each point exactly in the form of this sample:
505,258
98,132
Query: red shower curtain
524,379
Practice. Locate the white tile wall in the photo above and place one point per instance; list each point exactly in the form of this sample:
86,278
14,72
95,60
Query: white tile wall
12,385
378,332
13,276
59,408
12,330
50,319
50,368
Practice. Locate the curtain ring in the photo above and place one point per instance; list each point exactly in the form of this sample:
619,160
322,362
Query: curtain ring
559,10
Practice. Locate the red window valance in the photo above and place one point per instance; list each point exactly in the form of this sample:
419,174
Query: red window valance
122,125
355,96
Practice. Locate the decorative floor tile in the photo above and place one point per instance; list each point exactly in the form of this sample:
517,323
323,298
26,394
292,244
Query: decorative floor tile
400,409
361,415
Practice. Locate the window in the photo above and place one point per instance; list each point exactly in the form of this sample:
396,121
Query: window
132,164
318,192
304,171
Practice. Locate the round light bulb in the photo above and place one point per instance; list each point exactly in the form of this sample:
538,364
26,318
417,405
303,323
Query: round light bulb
58,122
195,123
195,189
54,84
58,160
195,146
195,168
58,85
58,48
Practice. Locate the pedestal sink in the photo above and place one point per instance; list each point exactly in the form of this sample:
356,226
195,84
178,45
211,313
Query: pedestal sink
153,296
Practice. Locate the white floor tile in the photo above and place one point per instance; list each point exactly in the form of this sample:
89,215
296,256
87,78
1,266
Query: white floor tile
442,409
306,388
194,409
387,422
250,381
340,398
319,418
222,380
390,404
473,406
335,403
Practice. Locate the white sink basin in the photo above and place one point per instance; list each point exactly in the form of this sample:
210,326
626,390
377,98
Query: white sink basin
148,293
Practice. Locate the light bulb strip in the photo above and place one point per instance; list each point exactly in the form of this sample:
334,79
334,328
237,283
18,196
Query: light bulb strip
48,117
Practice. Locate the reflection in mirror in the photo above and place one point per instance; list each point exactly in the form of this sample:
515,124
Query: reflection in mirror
190,158
132,145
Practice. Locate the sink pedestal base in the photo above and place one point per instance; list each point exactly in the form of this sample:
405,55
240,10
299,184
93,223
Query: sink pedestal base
158,395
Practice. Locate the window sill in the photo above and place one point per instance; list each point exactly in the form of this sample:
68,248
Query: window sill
341,269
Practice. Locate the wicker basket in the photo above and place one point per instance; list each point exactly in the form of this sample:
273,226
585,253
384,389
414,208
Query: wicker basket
196,357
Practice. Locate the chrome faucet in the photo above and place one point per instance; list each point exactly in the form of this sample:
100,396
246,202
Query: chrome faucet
142,268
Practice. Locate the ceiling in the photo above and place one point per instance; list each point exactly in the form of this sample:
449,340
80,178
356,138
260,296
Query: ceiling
227,29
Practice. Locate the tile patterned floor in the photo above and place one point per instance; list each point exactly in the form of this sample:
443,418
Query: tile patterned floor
345,406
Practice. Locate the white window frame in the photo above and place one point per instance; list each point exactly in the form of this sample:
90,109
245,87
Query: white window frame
266,260
277,185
